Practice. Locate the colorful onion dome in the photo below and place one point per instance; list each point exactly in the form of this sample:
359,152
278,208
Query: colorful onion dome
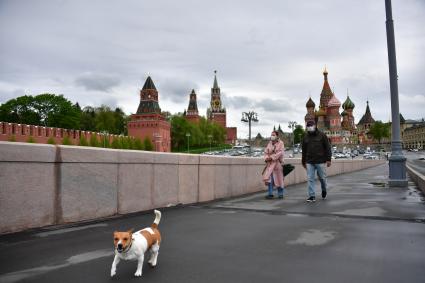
310,103
348,104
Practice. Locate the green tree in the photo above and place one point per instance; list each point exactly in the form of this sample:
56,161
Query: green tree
57,111
45,109
379,131
147,144
20,110
298,133
87,119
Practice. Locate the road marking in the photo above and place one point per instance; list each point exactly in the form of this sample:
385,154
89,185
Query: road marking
80,258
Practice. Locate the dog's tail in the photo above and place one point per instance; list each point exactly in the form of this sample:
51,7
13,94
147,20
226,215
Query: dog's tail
157,219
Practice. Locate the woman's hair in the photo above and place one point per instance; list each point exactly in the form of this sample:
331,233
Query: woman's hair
276,132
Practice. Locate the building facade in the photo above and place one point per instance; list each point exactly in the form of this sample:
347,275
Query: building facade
414,137
149,121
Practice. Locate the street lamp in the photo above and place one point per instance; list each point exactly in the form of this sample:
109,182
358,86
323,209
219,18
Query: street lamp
249,117
188,136
210,138
292,125
397,161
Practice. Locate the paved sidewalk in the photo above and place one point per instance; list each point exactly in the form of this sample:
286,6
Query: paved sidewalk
363,232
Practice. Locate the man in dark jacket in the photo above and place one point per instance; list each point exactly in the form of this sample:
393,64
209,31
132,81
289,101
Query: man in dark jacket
316,153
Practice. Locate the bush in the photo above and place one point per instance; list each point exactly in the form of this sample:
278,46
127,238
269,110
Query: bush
137,144
148,144
66,141
105,142
125,143
116,143
93,140
51,140
30,139
83,141
12,138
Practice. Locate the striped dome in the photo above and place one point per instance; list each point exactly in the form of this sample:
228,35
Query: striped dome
348,104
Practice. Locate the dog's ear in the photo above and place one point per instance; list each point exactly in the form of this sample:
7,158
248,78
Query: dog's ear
130,231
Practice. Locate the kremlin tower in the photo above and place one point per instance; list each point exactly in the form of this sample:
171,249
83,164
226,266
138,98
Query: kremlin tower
148,120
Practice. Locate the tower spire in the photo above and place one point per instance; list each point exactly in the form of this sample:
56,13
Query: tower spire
325,73
215,80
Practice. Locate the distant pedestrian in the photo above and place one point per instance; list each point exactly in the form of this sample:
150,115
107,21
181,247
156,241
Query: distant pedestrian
316,153
273,173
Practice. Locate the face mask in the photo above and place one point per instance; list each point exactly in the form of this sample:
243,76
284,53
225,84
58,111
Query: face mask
311,128
273,138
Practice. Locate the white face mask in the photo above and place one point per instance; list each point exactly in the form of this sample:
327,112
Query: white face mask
273,138
311,128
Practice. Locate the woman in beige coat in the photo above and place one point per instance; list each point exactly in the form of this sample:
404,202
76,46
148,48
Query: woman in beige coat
273,173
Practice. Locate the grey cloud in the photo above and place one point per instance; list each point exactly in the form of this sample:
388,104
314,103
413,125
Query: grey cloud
99,82
258,49
176,89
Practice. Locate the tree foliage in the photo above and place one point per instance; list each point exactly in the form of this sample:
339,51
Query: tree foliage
45,109
380,130
200,134
298,133
52,110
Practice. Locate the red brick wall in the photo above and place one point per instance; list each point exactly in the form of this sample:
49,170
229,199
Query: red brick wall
154,127
41,134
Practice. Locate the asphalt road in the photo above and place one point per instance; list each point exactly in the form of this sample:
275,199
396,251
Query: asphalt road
414,159
363,232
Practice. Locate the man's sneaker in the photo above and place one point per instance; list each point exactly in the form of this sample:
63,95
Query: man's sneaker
269,197
311,199
281,197
324,193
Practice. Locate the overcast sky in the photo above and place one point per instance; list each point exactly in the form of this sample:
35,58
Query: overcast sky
269,55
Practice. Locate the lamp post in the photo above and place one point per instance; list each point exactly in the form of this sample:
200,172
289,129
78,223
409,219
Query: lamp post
292,125
249,117
210,138
397,161
188,136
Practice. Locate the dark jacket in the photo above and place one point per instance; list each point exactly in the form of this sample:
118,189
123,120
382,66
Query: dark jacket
316,148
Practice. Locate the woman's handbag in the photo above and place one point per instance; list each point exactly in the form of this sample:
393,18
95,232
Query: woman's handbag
287,168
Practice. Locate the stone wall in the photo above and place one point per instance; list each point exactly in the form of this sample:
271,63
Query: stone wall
40,134
45,185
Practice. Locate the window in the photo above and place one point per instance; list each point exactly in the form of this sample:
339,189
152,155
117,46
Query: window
13,129
3,128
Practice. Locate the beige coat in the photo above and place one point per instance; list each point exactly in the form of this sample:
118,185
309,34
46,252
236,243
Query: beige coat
275,152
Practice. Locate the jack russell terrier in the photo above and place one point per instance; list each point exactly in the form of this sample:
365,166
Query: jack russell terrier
132,246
